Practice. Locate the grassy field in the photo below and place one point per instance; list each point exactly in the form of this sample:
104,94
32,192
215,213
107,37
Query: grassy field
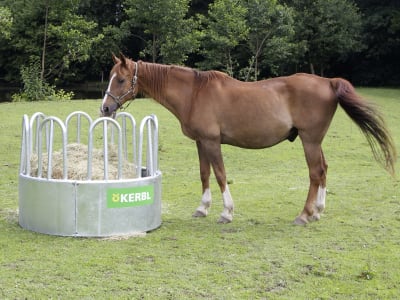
353,252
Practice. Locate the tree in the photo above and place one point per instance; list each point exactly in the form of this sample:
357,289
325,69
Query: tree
52,31
102,12
108,14
25,41
246,38
378,63
172,34
74,39
270,38
330,28
225,28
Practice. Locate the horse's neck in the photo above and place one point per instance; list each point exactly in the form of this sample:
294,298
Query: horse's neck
168,85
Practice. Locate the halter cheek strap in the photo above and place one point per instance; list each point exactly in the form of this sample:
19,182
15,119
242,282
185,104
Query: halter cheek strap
117,99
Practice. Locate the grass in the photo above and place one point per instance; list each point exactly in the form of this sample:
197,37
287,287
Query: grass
353,252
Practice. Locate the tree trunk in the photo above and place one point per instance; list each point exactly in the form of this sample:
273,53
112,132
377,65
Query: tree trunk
259,47
44,41
312,68
229,65
154,54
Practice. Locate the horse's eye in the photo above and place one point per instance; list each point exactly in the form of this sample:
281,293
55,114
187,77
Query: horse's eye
121,81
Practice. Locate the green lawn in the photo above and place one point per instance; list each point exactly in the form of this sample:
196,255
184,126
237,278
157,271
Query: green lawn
353,252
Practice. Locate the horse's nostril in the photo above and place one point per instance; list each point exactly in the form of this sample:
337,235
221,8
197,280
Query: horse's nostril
104,110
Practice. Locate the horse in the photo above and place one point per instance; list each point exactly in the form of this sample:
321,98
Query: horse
214,108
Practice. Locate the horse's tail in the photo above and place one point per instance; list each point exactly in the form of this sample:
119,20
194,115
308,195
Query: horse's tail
370,121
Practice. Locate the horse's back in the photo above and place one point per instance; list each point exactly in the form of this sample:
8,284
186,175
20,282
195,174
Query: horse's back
301,85
298,94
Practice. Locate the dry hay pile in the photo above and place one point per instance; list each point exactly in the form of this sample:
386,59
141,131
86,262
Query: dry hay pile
77,155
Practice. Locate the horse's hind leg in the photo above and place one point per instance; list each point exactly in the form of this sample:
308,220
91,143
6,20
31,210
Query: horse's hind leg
318,167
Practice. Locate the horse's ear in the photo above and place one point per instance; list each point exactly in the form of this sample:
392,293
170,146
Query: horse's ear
115,59
122,58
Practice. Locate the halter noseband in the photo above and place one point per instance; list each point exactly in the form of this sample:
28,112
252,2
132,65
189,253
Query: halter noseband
117,99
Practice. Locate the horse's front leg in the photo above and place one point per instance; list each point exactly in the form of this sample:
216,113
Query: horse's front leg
205,204
210,152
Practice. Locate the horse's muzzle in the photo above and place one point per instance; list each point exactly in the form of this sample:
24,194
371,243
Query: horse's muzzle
108,110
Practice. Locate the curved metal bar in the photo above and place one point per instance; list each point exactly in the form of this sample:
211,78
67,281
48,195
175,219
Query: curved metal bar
124,116
155,142
63,128
78,115
151,122
104,121
36,117
25,162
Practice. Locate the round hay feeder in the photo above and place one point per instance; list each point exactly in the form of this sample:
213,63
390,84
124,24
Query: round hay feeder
100,185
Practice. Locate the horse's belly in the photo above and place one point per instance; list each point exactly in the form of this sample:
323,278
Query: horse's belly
256,139
257,126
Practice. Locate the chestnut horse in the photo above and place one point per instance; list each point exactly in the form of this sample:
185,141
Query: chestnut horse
215,109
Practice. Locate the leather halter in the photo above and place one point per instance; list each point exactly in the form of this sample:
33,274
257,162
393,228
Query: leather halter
117,99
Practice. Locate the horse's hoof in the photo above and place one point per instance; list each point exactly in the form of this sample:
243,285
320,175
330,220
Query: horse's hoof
224,220
199,214
300,221
320,208
316,217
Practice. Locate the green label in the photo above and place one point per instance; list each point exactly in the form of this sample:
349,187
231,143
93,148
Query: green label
128,197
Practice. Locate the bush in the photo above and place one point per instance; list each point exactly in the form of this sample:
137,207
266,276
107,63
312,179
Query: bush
35,89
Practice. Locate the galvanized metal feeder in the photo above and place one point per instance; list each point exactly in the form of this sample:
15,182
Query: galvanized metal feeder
89,207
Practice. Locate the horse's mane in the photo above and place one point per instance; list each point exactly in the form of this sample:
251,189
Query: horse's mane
159,74
202,78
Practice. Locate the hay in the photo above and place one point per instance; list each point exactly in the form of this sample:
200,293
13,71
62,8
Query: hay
77,155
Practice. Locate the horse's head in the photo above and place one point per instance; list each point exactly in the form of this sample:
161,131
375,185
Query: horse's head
122,86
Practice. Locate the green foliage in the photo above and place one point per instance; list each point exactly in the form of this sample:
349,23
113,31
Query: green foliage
36,89
74,37
331,29
380,33
271,36
6,21
180,42
53,31
367,273
172,34
225,28
249,39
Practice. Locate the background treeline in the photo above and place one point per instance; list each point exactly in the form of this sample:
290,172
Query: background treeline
65,42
